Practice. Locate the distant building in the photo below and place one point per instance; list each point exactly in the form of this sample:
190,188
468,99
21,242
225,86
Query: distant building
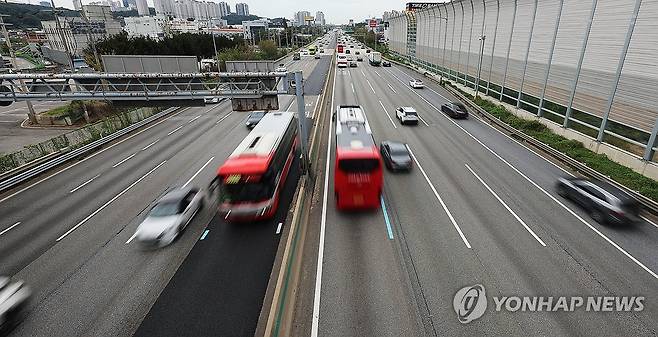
103,14
184,26
142,8
256,29
77,5
300,18
319,19
224,9
147,26
242,9
351,23
228,32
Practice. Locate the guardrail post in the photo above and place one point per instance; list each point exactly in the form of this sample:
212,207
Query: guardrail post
493,46
509,46
580,64
527,53
620,66
550,59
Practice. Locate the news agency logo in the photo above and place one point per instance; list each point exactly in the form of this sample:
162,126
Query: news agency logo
470,303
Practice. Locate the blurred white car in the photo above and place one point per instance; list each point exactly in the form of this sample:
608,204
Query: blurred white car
210,100
416,84
13,299
169,217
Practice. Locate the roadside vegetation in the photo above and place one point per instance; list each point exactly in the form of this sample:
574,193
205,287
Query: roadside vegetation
572,148
96,109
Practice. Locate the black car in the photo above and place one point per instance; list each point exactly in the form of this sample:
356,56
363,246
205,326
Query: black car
395,155
604,202
455,110
347,51
357,52
386,64
14,296
254,118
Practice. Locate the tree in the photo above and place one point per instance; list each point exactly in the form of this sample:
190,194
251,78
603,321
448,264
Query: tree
268,49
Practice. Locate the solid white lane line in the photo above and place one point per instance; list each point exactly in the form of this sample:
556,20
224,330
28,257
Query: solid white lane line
131,238
174,130
443,204
648,221
389,116
352,84
290,105
199,171
84,184
124,160
315,107
364,74
10,228
147,146
109,202
315,321
223,118
193,119
395,92
371,88
423,120
87,158
506,207
599,233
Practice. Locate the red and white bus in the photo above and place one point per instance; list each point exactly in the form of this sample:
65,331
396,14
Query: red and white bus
340,48
251,179
358,175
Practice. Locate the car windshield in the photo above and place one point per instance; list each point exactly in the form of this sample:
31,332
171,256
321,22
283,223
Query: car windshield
411,112
165,209
398,150
459,106
257,115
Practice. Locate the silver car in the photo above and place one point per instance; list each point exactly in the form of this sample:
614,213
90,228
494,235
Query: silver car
13,299
169,217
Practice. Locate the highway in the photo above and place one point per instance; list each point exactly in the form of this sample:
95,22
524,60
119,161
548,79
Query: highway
69,233
477,208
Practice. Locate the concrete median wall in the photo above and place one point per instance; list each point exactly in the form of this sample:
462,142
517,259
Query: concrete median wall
548,58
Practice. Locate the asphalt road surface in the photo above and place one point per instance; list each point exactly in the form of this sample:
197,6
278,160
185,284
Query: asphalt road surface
13,137
477,208
68,234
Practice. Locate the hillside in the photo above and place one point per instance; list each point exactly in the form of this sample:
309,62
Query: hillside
23,16
234,19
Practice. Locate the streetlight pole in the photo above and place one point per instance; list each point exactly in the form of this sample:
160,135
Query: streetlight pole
214,44
30,109
477,82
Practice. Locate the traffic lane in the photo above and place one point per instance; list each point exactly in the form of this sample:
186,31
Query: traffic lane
96,266
220,287
636,240
36,208
364,291
521,203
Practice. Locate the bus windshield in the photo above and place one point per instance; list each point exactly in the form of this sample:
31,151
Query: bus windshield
358,165
245,191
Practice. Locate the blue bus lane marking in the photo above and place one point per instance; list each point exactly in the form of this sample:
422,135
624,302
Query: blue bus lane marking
389,229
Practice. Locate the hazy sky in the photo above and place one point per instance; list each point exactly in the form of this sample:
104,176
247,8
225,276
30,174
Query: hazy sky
335,11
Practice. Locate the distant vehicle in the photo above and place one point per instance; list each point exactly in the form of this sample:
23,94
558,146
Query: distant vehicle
340,48
317,56
353,64
14,296
375,59
358,177
455,110
347,51
341,61
386,64
395,155
367,51
312,50
169,217
406,115
321,51
605,203
416,84
254,118
357,52
252,178
359,58
211,100
296,56
281,69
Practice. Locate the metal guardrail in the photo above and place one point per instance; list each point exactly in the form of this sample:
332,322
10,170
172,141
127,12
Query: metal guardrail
22,176
646,202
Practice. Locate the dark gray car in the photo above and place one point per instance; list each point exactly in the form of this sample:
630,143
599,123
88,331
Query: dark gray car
254,118
455,110
605,203
395,155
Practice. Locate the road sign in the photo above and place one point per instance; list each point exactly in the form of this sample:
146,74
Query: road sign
373,23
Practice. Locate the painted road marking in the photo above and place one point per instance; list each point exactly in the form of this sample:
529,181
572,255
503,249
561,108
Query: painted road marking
278,228
506,207
174,130
84,184
205,233
197,172
352,84
389,116
391,88
223,118
147,146
124,160
371,88
389,230
109,202
436,194
131,238
193,119
10,228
